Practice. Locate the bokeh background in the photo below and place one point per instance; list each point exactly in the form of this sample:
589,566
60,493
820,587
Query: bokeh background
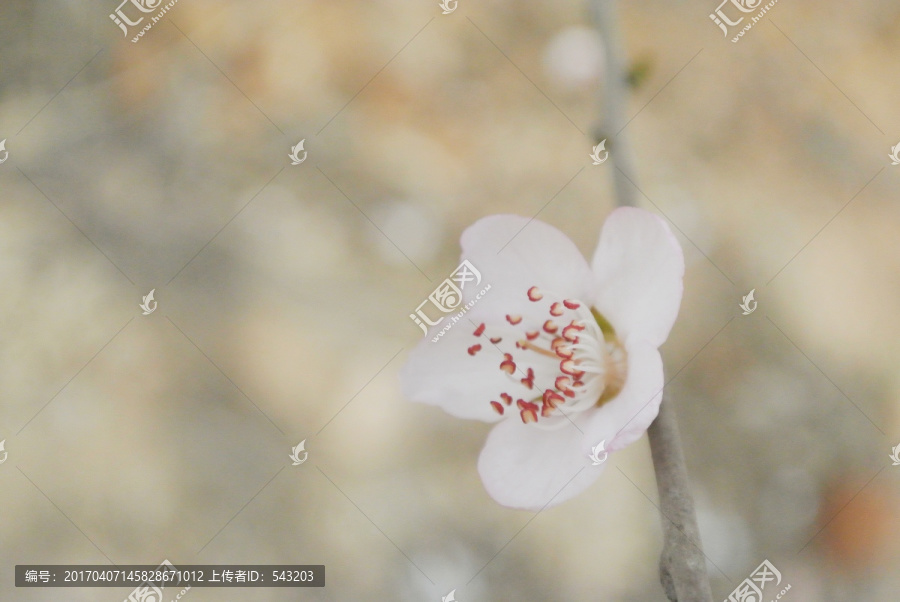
284,291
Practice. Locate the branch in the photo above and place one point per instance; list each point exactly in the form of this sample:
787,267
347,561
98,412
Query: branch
682,565
614,101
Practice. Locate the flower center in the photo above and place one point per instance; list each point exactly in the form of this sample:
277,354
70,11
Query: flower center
575,355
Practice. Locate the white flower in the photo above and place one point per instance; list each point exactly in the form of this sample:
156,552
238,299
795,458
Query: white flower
560,354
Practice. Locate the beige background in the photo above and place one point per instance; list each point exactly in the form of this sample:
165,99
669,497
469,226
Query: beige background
284,290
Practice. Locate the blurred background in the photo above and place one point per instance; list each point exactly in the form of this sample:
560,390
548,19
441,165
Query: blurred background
284,291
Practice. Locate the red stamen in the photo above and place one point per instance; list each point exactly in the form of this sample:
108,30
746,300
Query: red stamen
564,351
569,333
569,367
529,380
528,411
552,399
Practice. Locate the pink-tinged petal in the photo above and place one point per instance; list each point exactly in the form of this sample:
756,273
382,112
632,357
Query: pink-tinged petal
515,254
622,420
638,268
444,373
525,466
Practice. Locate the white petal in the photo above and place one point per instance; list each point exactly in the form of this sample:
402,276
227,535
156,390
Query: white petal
639,268
623,419
443,374
525,466
514,253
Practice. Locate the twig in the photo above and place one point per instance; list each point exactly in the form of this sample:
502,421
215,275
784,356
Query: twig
614,100
682,565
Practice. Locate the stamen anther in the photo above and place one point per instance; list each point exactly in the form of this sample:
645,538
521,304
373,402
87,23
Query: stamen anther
508,365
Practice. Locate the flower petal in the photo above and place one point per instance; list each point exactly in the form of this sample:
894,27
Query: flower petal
638,268
445,374
513,254
623,419
525,466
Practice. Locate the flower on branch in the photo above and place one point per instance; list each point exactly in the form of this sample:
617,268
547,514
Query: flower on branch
561,354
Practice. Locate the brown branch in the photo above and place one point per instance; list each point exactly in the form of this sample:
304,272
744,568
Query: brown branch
682,565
